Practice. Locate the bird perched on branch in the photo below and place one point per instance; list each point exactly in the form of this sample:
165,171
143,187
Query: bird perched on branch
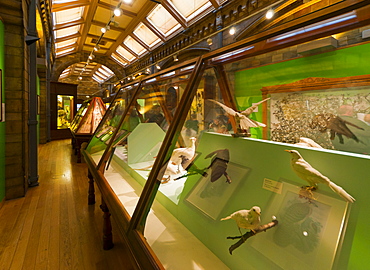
306,172
242,118
246,219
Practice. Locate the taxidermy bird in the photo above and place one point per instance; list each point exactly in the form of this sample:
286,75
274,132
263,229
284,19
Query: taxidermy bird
337,126
306,172
179,161
218,166
183,156
246,219
303,141
243,117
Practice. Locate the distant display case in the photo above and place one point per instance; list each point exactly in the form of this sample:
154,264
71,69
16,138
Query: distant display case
85,122
63,98
171,160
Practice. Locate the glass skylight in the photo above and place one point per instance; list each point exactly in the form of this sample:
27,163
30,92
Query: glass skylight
190,8
68,15
119,59
64,51
67,31
66,43
163,20
134,45
124,53
96,78
146,35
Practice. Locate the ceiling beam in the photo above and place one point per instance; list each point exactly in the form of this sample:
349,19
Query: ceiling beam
103,38
69,5
138,40
178,17
215,3
130,51
69,24
88,15
111,7
112,27
154,29
131,27
77,35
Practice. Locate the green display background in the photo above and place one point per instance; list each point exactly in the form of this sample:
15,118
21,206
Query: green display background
269,160
2,124
351,61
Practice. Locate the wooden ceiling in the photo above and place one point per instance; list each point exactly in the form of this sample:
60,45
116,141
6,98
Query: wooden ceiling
142,26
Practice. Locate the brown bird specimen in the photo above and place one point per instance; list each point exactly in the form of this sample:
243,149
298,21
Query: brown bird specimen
335,124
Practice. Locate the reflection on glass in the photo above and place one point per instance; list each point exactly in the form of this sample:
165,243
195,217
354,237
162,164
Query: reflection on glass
65,111
162,229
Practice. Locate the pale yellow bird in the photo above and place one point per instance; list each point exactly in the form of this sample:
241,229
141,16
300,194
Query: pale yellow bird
306,172
246,219
243,117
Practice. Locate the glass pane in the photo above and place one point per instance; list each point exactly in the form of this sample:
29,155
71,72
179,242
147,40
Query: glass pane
137,137
166,226
88,116
111,120
315,100
65,111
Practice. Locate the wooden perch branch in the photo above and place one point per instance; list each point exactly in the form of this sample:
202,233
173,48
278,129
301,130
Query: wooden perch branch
245,236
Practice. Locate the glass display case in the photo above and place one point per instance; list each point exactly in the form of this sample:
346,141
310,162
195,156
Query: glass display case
63,98
192,161
85,122
65,112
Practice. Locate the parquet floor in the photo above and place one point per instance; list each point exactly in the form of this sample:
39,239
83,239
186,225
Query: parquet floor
53,227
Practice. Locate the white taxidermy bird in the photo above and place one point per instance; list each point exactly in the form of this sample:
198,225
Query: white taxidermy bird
306,172
303,141
182,156
180,160
243,117
246,219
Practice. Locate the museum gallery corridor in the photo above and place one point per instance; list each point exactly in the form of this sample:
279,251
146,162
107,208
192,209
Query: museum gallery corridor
53,227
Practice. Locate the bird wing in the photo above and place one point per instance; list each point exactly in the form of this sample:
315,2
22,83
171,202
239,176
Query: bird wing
246,123
249,110
227,109
305,171
339,126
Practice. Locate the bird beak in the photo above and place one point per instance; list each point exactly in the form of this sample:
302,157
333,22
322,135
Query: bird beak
287,151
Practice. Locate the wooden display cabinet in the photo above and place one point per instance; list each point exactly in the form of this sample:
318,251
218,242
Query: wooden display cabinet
170,215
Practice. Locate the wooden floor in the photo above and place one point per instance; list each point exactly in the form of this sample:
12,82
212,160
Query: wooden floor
52,227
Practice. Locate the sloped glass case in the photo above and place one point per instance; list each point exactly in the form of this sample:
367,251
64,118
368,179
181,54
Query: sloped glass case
192,144
88,116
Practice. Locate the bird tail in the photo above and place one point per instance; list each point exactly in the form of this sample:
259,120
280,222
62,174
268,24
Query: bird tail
226,218
341,192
